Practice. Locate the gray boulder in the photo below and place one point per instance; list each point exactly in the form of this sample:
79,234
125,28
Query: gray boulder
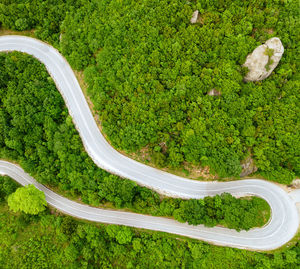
296,183
248,167
213,92
263,60
194,17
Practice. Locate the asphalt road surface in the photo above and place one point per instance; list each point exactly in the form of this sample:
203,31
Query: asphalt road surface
280,229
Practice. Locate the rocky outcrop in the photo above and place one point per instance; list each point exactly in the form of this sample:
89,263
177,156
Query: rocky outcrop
194,17
214,92
248,167
263,60
296,184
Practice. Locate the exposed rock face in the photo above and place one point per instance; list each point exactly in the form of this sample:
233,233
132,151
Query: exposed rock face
248,167
213,92
296,183
194,17
263,60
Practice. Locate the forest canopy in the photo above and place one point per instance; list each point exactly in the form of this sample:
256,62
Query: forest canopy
151,72
148,72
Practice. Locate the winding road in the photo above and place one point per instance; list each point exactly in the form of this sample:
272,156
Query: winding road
281,228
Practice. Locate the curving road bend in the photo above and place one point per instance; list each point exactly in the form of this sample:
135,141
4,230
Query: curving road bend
281,228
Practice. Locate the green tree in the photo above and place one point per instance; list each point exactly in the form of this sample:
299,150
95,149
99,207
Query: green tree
27,199
7,186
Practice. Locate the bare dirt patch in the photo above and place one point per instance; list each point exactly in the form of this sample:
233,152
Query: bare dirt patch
11,32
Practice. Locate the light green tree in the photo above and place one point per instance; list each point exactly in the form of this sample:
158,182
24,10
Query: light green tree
27,199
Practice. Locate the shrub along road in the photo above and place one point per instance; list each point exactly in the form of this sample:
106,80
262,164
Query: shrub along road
284,220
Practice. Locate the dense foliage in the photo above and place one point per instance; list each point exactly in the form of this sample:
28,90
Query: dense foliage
7,187
36,131
49,241
27,199
226,210
153,69
43,16
149,70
